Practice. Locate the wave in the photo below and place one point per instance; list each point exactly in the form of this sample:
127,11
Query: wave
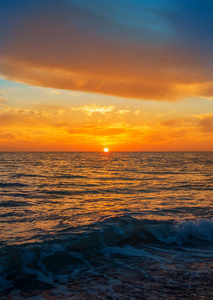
12,203
70,249
189,231
12,184
70,176
129,230
126,230
18,175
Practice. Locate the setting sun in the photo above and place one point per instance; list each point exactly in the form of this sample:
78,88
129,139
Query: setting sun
106,150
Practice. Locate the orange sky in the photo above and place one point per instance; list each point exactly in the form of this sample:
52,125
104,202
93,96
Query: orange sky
43,119
130,76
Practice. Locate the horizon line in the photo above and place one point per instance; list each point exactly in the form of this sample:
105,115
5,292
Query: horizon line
70,151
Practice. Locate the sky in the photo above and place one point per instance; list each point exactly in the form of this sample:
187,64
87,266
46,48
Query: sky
128,75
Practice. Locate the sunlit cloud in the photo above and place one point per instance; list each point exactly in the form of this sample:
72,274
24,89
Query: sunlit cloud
46,132
6,136
137,112
178,122
135,49
123,111
206,122
93,108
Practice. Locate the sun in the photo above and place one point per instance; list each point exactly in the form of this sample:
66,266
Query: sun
106,150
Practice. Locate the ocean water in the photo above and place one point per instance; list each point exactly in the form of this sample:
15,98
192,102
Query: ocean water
106,225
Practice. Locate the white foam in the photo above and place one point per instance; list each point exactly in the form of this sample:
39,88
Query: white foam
29,257
129,251
185,231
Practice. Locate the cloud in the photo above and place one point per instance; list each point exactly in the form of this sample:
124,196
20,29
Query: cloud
137,112
20,118
156,50
206,122
93,108
197,123
123,111
6,136
178,122
99,130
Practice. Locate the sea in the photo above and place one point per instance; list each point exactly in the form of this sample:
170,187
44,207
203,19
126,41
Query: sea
119,225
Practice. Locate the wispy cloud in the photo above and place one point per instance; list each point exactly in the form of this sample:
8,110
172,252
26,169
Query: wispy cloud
137,112
93,108
123,111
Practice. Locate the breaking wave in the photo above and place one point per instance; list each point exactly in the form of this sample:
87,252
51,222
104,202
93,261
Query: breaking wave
68,250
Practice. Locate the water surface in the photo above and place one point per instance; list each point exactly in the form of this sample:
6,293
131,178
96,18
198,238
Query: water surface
64,215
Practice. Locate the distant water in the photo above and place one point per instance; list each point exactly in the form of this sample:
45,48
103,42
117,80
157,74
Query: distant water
106,225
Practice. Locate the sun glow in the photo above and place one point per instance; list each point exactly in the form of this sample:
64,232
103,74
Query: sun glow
106,150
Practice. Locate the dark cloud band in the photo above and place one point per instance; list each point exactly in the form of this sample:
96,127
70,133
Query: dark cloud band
135,49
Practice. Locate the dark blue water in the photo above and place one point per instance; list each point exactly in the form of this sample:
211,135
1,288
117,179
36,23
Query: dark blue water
86,225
